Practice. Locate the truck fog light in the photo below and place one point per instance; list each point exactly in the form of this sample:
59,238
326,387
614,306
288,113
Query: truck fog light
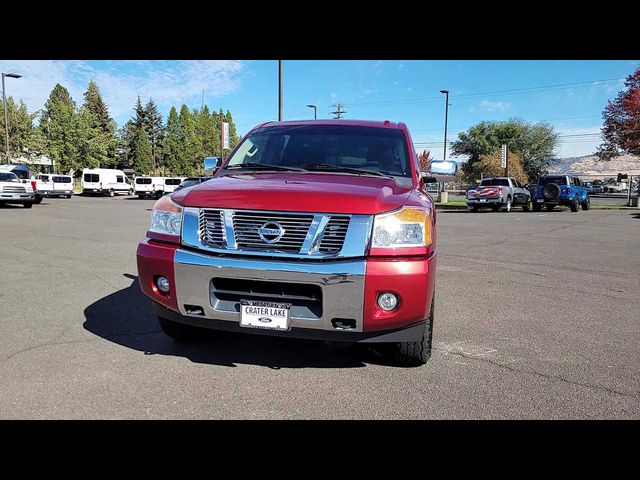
387,301
163,284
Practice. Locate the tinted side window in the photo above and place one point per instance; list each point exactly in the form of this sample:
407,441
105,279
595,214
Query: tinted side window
91,177
143,181
61,179
119,179
172,181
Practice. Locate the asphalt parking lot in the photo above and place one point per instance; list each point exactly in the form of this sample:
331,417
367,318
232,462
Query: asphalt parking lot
537,316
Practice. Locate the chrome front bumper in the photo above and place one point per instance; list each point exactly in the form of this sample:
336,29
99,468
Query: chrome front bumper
17,196
342,284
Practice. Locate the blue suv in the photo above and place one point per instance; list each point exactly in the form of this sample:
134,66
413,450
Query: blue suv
564,190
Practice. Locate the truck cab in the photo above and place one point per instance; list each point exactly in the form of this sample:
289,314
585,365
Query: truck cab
312,229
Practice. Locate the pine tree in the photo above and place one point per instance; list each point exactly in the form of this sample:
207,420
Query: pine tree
59,124
20,127
189,144
142,161
153,126
172,143
140,120
98,131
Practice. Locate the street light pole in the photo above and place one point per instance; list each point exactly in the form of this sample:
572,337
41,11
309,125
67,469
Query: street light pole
279,90
6,115
315,109
446,119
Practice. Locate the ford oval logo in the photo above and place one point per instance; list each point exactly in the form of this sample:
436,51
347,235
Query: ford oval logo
264,320
270,232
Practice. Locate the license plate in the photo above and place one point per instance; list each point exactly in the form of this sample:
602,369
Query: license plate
268,315
483,199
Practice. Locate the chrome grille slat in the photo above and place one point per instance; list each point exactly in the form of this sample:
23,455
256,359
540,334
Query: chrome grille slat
211,224
11,189
334,234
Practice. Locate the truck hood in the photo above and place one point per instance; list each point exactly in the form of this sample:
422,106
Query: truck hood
297,192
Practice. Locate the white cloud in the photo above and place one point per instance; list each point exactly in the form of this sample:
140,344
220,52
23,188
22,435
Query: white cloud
490,106
168,83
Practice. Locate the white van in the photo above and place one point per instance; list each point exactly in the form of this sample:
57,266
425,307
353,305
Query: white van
171,183
105,181
149,186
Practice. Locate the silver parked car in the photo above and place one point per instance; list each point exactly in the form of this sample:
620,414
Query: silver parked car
499,193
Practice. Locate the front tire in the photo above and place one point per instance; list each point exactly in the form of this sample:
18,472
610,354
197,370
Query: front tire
416,353
179,332
38,200
586,205
112,193
27,204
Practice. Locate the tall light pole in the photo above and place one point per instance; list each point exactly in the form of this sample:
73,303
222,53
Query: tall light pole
6,115
446,119
279,90
315,111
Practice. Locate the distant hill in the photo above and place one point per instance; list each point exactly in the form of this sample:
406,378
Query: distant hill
589,165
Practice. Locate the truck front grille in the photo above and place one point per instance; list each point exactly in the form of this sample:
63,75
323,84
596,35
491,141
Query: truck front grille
12,189
246,226
278,232
305,299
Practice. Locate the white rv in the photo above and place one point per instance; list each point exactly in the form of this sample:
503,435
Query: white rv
105,181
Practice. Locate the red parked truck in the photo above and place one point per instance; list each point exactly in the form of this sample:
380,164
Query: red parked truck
310,229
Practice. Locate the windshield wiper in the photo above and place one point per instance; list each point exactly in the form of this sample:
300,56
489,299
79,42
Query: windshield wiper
326,167
262,166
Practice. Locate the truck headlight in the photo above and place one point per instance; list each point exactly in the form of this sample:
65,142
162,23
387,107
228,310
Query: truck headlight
407,227
166,217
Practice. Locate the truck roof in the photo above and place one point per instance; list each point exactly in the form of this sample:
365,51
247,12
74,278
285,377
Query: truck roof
355,123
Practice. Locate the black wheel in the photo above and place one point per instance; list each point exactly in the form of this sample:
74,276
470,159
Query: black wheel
177,331
550,208
495,208
586,205
158,195
536,207
526,207
473,208
68,196
27,204
417,353
574,204
112,193
38,200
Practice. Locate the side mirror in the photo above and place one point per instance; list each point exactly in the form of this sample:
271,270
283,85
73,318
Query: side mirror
24,181
211,163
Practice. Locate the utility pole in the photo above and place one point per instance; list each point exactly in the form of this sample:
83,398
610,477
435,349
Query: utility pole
338,112
279,90
446,119
6,116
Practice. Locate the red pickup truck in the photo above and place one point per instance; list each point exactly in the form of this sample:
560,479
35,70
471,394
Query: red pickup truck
310,229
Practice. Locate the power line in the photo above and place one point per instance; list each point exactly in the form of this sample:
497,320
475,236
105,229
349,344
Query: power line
514,91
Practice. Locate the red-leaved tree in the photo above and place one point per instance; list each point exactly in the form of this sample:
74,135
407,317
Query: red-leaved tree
621,130
424,159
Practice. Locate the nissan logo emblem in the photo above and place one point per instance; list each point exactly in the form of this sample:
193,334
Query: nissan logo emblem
271,232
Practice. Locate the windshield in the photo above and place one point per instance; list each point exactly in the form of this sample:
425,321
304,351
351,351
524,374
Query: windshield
344,148
494,182
556,180
8,177
189,183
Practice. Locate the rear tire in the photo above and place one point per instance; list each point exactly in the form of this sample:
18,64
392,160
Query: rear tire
526,207
38,200
586,205
68,196
495,208
473,208
179,332
27,204
112,193
416,353
536,207
574,204
550,208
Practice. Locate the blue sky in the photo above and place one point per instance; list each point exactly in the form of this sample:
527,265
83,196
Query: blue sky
571,97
